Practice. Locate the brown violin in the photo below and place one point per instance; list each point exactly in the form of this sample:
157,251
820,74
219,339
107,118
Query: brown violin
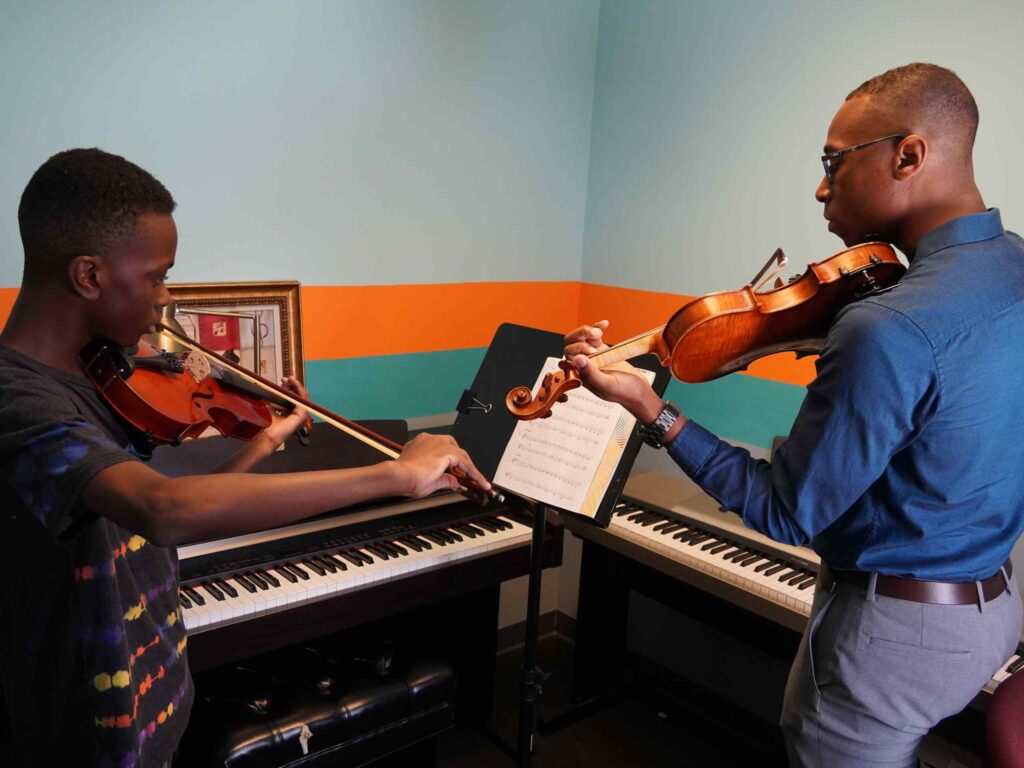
171,397
719,333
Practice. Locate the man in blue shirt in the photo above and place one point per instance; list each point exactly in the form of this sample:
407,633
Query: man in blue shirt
903,467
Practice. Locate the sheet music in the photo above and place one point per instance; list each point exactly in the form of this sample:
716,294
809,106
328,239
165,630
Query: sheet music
568,459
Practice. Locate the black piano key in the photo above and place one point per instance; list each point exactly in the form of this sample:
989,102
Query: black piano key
640,515
365,555
687,533
268,577
313,566
338,562
194,596
775,569
297,570
474,528
215,593
434,538
666,523
748,561
461,529
486,524
454,534
328,564
786,575
409,541
400,549
185,602
765,565
809,582
800,576
227,588
388,550
656,518
1014,665
709,542
356,561
723,547
286,574
505,524
623,509
700,538
244,583
378,551
258,580
422,541
731,552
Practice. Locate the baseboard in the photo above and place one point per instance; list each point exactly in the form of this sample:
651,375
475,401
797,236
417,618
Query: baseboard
551,623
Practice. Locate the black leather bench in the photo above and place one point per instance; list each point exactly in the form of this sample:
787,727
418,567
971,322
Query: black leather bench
299,707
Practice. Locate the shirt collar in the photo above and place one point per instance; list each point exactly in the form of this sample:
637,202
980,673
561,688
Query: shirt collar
972,228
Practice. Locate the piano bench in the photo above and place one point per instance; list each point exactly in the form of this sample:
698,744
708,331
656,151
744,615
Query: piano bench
394,719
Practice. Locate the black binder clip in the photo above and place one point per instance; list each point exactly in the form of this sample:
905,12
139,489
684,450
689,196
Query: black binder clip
468,402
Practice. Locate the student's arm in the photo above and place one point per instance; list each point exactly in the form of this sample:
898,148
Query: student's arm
172,511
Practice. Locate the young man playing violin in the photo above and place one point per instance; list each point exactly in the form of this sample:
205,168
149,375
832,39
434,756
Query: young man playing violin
903,467
92,646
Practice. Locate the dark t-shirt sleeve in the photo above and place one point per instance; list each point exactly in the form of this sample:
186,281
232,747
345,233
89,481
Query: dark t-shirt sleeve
51,454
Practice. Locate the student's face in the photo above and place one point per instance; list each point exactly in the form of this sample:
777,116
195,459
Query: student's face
860,201
133,280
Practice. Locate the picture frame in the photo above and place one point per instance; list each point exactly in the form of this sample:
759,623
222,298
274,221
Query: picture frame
223,316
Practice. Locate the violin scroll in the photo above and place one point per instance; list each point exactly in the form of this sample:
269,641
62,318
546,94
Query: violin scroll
524,406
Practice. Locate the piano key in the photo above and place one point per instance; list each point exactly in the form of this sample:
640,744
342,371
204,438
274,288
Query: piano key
213,591
301,582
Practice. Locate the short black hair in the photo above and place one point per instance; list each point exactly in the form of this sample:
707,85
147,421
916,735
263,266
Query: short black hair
924,96
84,201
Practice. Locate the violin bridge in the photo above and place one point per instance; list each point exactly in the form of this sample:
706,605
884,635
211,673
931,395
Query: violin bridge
770,270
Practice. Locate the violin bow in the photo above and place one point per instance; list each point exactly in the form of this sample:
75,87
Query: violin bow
379,443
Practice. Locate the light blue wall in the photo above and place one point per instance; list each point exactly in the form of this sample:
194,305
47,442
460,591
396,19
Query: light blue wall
709,119
339,142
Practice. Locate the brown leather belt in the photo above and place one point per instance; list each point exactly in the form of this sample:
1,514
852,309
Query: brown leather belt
919,590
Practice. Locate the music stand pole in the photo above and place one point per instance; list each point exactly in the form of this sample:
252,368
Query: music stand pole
530,675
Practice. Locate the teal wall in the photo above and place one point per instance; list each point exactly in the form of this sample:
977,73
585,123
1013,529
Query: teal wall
668,146
334,142
709,118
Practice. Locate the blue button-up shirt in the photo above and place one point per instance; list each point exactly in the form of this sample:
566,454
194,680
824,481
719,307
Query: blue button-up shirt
907,455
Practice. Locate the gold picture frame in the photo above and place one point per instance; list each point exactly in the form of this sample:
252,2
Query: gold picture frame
225,313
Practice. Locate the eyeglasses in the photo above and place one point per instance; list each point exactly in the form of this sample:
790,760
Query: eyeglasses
829,158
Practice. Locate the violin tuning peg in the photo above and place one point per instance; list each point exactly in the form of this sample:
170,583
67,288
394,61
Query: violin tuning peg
563,398
546,415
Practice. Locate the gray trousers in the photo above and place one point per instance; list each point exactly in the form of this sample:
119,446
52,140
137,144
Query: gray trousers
873,674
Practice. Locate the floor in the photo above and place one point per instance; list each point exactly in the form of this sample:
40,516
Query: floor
639,729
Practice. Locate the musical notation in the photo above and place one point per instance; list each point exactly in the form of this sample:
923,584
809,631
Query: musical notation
559,460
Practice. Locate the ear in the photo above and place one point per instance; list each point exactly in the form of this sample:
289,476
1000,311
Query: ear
911,155
83,273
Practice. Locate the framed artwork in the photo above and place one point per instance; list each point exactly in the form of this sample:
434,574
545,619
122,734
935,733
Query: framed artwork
257,324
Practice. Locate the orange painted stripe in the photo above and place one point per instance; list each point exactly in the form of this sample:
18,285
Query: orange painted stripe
631,312
361,321
7,297
367,321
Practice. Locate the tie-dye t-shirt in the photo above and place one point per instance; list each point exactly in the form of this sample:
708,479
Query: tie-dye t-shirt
92,646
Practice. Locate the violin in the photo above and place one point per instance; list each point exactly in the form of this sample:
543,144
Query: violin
172,397
723,332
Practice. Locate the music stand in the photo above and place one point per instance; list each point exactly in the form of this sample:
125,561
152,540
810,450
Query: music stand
484,427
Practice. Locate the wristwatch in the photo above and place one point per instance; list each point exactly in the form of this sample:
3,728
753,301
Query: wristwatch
654,433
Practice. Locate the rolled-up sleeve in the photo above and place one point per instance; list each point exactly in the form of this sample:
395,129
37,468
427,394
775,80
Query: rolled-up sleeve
877,385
